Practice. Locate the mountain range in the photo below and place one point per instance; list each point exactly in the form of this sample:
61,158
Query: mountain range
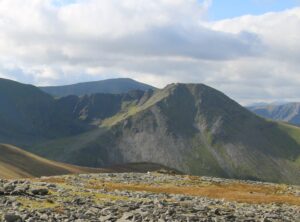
287,112
189,127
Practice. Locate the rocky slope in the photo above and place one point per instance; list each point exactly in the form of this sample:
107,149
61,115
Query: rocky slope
192,128
113,86
146,197
289,112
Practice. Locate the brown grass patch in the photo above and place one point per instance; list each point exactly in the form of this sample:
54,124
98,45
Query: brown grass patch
52,180
244,193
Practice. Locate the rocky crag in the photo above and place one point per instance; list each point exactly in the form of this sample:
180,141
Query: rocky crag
146,197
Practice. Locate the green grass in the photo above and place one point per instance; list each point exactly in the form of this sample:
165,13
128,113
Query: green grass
201,160
130,109
53,148
292,131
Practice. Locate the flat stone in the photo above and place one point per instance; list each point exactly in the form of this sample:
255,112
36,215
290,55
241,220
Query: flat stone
40,191
12,218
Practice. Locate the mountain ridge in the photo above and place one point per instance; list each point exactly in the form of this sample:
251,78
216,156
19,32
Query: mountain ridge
29,115
193,128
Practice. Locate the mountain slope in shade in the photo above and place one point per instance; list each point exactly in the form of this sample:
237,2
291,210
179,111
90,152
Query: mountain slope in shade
190,127
289,112
28,115
113,86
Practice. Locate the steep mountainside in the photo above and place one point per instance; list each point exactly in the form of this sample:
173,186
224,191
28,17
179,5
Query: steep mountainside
190,127
289,112
113,86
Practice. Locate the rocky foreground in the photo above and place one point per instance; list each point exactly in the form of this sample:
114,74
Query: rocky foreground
146,197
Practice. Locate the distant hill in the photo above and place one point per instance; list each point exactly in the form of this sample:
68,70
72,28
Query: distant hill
289,112
113,86
190,127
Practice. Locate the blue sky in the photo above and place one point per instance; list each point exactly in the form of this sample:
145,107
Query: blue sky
222,9
63,2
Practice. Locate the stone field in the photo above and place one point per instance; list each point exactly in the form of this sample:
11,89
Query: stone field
156,196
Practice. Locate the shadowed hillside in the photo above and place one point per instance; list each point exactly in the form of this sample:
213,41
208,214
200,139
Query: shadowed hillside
28,115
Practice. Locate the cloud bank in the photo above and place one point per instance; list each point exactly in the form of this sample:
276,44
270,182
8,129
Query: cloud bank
250,58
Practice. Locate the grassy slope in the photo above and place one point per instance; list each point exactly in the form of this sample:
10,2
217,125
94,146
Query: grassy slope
293,132
132,108
16,163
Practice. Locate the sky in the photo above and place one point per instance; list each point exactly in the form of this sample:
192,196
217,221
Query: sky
248,49
224,9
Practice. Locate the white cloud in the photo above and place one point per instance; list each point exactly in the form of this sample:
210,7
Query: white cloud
250,58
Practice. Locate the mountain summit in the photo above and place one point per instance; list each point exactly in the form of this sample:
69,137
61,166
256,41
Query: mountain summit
113,86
